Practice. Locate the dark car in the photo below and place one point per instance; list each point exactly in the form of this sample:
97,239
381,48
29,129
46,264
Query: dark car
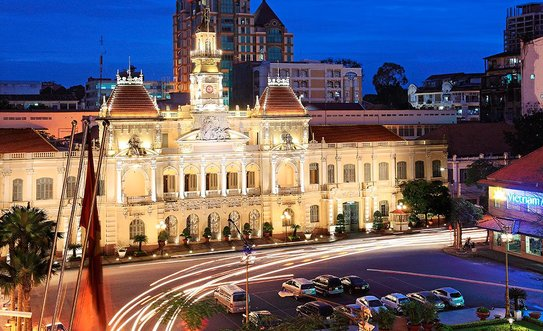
316,308
353,284
327,284
262,320
427,297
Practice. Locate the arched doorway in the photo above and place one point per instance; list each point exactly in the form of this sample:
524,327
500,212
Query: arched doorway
214,224
254,219
286,176
134,183
172,228
193,226
235,217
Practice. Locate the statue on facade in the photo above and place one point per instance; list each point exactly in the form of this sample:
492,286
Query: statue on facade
212,130
287,141
134,147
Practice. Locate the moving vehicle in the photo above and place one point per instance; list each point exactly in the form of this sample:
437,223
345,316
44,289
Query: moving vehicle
395,301
262,319
450,296
316,308
427,297
232,297
353,284
299,287
371,302
327,285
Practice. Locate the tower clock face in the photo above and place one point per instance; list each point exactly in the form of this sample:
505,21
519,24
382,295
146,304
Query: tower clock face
209,89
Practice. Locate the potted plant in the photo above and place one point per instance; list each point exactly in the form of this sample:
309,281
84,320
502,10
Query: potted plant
186,236
162,237
122,252
206,235
535,314
413,312
74,247
378,221
429,316
267,229
247,230
340,224
307,233
483,313
384,318
226,233
294,235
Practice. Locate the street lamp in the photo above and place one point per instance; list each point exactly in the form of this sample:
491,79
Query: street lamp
247,250
510,320
507,231
285,218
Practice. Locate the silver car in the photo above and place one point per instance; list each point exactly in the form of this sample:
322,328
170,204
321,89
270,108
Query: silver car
449,295
372,302
395,301
299,287
427,297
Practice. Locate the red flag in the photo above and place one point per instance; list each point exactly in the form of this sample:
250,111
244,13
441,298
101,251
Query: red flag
91,310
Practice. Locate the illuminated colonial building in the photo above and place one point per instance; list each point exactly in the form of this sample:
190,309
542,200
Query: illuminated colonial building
202,164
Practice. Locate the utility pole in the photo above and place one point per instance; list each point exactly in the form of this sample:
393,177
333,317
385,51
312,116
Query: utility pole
507,229
247,250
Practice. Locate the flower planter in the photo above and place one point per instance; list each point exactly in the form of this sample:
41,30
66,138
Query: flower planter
226,238
413,327
428,326
185,241
307,236
535,315
206,240
267,235
482,316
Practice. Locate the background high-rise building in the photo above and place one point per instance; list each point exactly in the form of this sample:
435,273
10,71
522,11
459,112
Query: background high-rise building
524,22
242,36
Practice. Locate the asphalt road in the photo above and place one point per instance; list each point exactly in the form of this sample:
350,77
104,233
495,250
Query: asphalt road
389,264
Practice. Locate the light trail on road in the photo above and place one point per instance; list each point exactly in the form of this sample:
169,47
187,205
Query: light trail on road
140,312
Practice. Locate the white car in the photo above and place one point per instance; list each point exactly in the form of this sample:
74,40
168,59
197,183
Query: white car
372,302
299,287
450,296
395,301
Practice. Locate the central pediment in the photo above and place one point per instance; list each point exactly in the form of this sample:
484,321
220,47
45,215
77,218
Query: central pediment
204,140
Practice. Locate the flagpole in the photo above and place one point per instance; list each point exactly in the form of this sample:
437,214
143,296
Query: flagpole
59,215
93,203
56,311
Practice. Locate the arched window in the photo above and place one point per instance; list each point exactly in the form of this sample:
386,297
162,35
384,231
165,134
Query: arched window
235,217
214,224
44,188
419,169
171,228
401,170
436,168
254,219
314,214
193,226
274,54
231,180
70,187
349,175
383,207
331,174
383,171
137,227
367,172
17,190
313,173
274,36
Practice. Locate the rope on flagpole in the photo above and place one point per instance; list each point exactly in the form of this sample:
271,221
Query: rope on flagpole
92,207
59,216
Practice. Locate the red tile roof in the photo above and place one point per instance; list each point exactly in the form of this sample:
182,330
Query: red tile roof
472,139
525,173
353,133
131,101
23,141
280,101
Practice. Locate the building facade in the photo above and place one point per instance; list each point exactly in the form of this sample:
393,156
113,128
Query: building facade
313,81
20,87
241,35
458,91
523,23
515,208
200,165
531,80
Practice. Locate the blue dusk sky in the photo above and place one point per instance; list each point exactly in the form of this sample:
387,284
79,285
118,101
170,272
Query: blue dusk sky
59,40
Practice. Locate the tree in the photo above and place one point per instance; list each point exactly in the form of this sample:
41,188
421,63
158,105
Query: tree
424,197
463,213
440,199
528,134
516,295
476,171
301,323
140,239
389,82
74,248
191,312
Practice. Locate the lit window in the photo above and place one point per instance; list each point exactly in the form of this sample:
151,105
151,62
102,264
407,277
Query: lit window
44,188
314,173
314,214
532,76
137,227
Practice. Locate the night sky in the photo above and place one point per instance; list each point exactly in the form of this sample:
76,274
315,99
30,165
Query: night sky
59,40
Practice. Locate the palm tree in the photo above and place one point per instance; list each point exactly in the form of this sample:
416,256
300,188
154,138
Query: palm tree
140,239
191,312
516,294
74,248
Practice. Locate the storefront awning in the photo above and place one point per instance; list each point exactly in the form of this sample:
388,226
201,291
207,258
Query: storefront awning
518,226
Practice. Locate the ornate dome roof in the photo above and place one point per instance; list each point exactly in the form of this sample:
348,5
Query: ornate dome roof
279,99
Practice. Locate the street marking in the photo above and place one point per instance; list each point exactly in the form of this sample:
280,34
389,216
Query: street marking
451,278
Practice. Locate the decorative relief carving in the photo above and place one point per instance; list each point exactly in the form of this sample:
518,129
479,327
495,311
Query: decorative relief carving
212,129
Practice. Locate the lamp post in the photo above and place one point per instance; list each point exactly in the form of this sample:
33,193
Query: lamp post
247,250
285,218
507,231
510,320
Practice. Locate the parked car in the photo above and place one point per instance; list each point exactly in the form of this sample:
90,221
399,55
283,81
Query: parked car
395,301
450,296
327,284
353,312
372,302
299,287
262,319
232,297
353,284
427,297
316,308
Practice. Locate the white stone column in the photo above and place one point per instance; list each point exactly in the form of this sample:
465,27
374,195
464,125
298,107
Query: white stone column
6,174
223,178
153,180
339,170
244,177
359,169
60,182
273,179
27,191
324,171
302,174
119,182
203,179
392,172
181,180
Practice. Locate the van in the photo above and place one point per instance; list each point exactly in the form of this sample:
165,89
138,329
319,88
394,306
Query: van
232,297
328,285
